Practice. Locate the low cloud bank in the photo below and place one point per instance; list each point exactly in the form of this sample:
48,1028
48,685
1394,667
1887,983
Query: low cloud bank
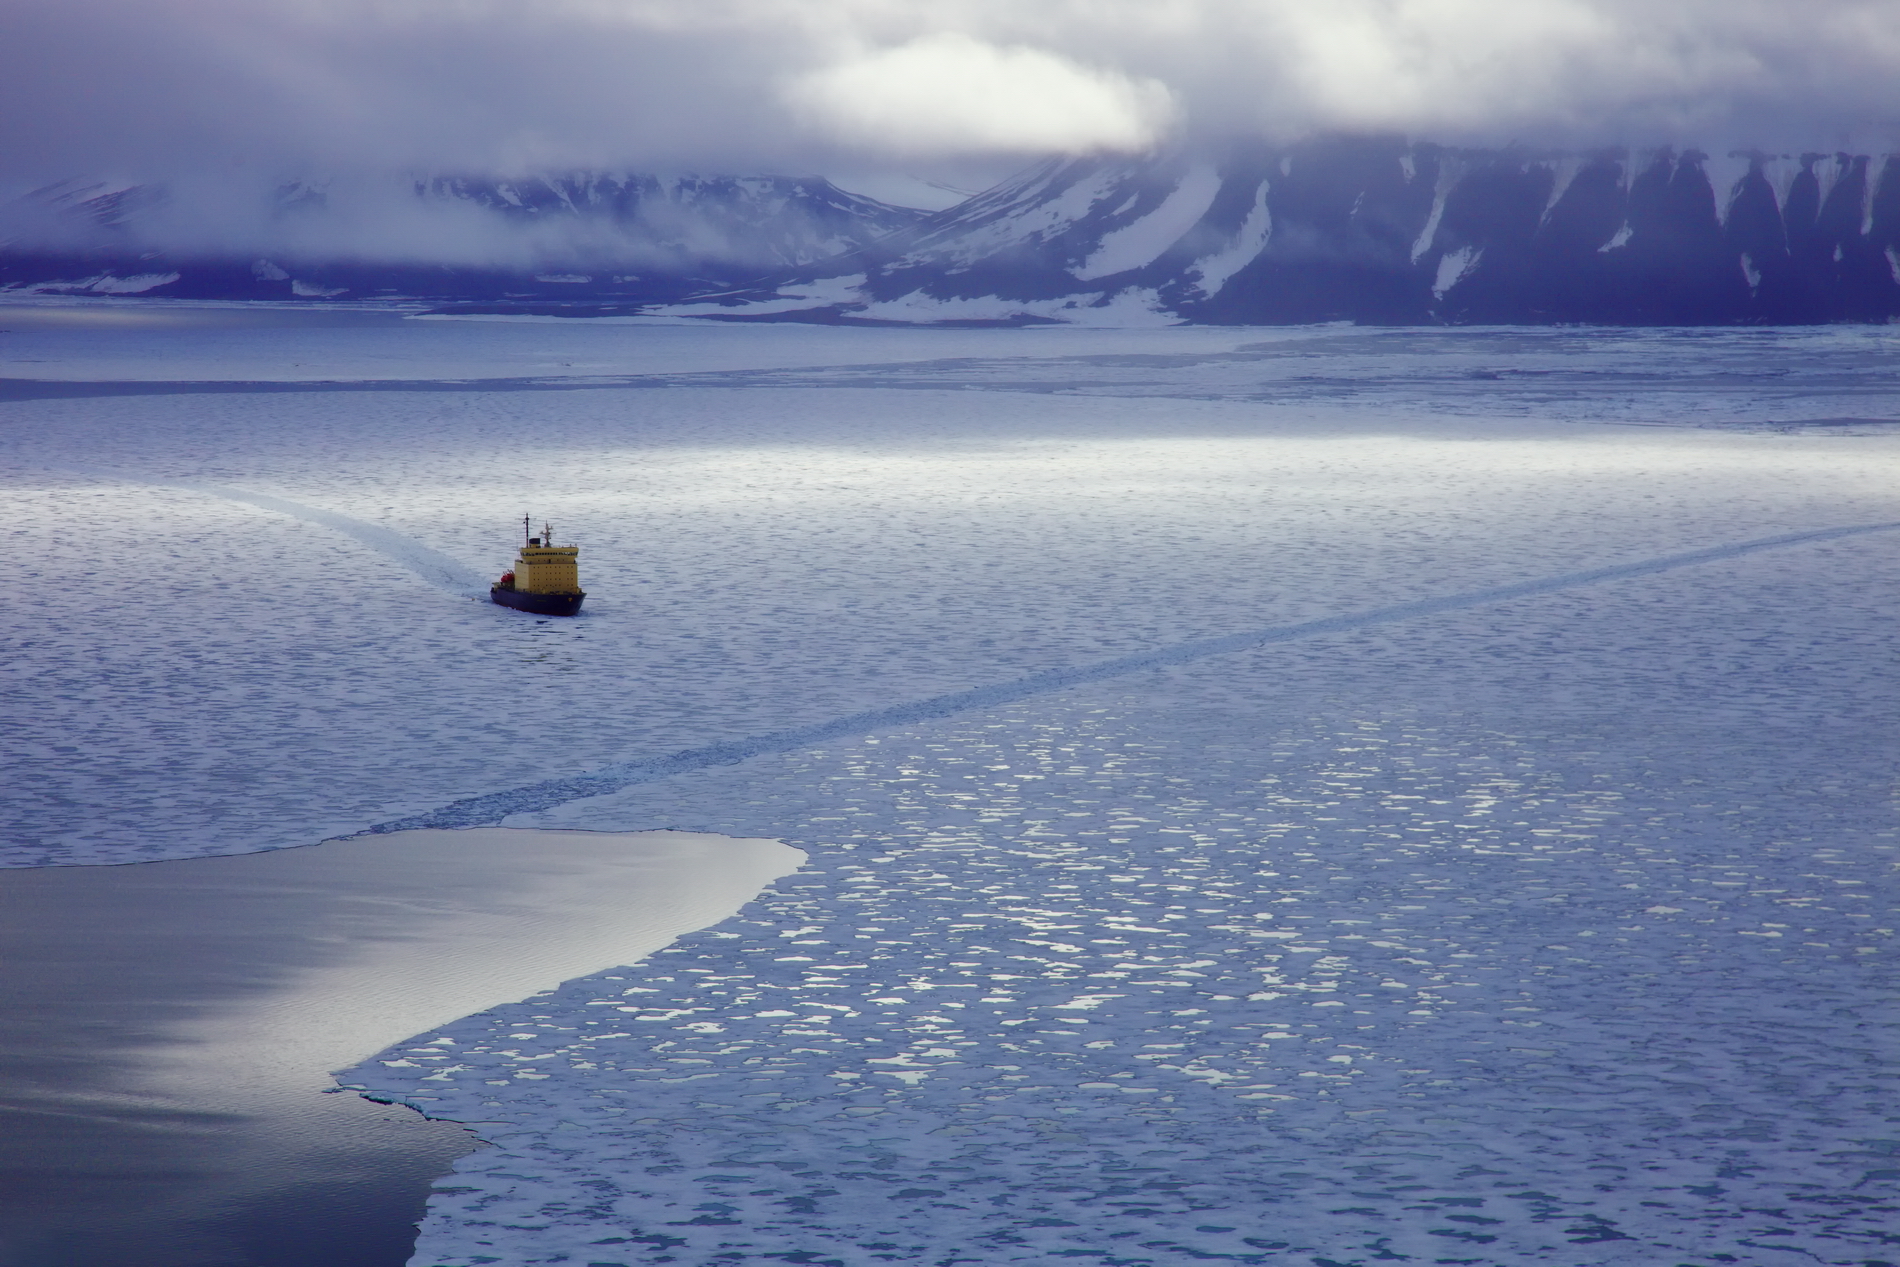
591,220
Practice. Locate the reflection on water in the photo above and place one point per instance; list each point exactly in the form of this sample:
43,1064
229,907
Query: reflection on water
168,1028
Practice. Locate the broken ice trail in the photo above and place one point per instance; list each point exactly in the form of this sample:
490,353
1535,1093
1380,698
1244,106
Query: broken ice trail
434,567
485,810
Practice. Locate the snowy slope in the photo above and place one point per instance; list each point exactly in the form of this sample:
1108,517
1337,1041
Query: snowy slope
1383,232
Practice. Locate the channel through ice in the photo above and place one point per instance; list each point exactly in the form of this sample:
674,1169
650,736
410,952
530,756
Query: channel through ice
1554,928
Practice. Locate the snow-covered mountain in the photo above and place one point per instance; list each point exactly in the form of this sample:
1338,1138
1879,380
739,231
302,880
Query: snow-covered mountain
1365,230
598,236
1381,232
679,223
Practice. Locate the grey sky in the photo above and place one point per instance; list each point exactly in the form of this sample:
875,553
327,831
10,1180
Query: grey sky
139,88
223,101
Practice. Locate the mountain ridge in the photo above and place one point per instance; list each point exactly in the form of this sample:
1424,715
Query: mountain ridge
1362,229
1381,233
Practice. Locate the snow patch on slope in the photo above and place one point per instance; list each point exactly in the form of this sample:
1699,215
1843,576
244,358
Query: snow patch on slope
104,284
1725,172
1212,271
1126,308
1423,243
1563,172
1453,268
822,293
1143,241
1030,218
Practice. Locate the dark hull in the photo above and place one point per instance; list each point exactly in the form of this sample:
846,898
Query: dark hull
539,604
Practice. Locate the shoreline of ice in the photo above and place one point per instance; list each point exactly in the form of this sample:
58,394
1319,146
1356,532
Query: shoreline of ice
181,1019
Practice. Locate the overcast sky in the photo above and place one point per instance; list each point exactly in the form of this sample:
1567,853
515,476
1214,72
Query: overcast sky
142,88
221,102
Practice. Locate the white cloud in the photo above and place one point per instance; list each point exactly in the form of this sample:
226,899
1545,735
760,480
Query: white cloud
949,93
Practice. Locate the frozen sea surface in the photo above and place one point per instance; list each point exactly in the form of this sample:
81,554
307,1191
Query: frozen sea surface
1552,930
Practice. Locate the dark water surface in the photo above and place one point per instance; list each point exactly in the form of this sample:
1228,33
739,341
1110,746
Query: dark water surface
167,1029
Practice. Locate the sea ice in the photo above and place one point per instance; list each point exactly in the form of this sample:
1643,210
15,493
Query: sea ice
1533,939
1547,931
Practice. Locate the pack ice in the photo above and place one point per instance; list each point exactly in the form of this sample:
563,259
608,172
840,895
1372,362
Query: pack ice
1551,928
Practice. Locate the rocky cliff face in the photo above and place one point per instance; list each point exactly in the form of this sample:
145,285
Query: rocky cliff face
1382,232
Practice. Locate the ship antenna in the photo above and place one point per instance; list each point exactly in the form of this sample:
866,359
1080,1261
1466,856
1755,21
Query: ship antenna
547,532
525,529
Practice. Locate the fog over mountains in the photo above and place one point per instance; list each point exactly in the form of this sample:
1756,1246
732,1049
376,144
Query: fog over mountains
1366,230
639,238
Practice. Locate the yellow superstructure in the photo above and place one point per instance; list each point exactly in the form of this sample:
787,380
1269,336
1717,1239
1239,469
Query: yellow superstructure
548,569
